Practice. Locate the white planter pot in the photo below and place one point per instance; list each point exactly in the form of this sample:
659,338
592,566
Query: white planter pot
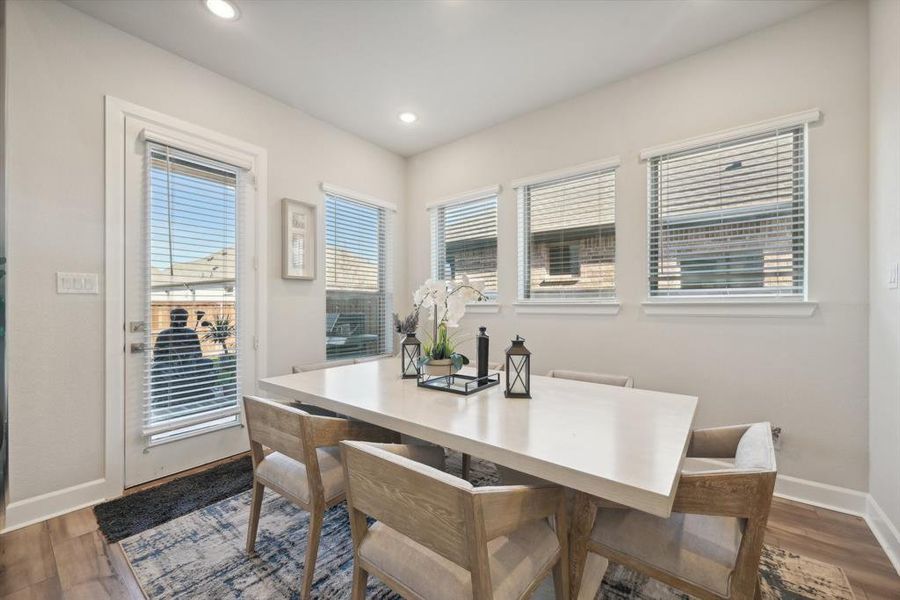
439,368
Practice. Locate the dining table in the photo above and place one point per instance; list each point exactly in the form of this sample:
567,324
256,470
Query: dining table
616,444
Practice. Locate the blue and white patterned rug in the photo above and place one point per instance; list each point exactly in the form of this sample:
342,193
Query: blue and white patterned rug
201,555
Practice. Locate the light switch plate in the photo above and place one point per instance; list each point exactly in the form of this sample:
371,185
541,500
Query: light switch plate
894,276
77,283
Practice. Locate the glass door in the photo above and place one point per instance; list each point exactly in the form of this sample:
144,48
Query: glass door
184,274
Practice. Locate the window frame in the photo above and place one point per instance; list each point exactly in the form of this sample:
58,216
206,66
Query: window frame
387,215
762,305
124,124
484,193
600,305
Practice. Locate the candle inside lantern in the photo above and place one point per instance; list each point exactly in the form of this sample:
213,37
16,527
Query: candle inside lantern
517,385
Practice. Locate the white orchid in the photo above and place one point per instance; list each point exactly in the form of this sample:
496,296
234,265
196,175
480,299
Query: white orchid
445,301
445,304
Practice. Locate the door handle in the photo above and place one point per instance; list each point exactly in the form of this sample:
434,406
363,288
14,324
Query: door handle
138,347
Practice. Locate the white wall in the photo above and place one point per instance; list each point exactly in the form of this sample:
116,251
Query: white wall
884,248
806,374
61,63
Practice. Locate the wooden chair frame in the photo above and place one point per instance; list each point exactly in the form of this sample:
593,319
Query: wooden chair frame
745,495
445,515
297,435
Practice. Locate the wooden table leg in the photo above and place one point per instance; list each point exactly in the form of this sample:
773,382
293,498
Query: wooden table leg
584,513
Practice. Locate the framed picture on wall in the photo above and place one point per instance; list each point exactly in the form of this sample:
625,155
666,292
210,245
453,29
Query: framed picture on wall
298,252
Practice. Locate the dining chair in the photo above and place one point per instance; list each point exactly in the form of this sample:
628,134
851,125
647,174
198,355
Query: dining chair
438,537
322,365
373,358
619,380
711,544
304,464
337,363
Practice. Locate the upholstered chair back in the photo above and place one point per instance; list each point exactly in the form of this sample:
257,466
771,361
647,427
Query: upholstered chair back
601,378
422,503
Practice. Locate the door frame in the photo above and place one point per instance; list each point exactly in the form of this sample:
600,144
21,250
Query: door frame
116,112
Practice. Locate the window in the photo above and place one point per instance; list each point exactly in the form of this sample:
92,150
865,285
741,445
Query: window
728,219
357,279
564,259
192,371
464,241
567,242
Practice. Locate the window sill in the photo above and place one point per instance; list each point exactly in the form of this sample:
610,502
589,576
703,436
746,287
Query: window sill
609,307
483,308
730,308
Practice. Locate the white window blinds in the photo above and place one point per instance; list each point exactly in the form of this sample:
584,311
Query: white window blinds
464,241
567,238
358,299
729,219
193,242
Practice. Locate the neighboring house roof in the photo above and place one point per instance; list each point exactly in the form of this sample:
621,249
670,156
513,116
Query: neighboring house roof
350,271
214,269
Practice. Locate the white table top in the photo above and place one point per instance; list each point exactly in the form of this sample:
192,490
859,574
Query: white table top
621,444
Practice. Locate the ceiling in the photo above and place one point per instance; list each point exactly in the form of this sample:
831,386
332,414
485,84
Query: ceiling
460,65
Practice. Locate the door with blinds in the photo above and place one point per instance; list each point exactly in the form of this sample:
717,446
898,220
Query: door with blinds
186,351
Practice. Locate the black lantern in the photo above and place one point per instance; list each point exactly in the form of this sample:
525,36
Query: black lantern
410,350
518,370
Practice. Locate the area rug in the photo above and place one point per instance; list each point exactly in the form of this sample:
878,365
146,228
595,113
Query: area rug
134,513
201,555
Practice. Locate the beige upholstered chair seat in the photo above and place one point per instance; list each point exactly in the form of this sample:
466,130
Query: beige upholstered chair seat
699,548
285,473
515,561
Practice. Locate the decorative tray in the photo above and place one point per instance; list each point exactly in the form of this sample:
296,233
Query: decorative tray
458,384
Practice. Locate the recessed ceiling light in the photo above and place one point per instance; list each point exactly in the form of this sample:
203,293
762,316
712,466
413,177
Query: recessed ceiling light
408,117
222,9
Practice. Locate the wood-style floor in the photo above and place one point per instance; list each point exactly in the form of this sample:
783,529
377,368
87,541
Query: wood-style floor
67,557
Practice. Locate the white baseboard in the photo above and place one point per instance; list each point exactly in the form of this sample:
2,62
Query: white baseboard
46,506
823,495
885,532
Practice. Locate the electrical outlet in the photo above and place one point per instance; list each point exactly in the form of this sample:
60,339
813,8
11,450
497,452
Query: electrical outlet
777,436
77,283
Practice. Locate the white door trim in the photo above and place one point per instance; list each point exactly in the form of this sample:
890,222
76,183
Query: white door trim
116,112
